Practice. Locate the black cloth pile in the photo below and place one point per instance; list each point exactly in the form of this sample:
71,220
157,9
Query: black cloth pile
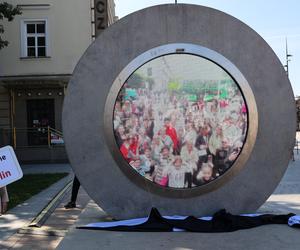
221,221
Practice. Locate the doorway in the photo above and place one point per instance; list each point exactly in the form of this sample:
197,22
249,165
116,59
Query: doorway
40,115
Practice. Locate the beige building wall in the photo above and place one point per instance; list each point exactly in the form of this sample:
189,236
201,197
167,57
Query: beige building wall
42,80
69,34
4,108
111,12
298,114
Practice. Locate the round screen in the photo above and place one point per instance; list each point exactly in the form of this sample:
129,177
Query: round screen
180,121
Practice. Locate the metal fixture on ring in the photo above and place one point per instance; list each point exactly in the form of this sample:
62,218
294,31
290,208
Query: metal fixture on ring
192,49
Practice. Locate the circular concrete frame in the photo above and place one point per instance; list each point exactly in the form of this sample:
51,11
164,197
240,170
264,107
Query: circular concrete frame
181,48
115,48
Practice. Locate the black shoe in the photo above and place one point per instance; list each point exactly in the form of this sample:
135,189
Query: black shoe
71,204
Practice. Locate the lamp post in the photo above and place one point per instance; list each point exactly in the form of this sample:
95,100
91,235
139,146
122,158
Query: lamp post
287,55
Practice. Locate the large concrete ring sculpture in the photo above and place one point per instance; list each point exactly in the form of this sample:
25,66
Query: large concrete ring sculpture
187,30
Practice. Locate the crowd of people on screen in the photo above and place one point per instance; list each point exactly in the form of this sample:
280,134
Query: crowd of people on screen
176,142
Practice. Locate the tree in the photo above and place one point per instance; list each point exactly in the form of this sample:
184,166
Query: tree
7,11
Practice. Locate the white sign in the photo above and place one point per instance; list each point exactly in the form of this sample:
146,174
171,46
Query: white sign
56,139
10,169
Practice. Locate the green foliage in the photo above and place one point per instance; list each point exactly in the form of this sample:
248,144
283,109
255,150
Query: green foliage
7,11
30,185
173,85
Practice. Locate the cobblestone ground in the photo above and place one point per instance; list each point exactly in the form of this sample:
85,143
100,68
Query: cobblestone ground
52,231
285,199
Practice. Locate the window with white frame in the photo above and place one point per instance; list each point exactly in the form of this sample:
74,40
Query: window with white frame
34,36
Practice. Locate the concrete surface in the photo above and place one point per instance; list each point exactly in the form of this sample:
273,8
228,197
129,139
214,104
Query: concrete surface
285,199
52,231
265,237
85,103
24,213
59,230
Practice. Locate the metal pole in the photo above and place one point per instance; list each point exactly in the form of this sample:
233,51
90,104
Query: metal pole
49,137
287,58
287,55
12,111
14,138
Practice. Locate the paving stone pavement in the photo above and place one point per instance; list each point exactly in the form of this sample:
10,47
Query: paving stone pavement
52,231
19,217
59,230
285,199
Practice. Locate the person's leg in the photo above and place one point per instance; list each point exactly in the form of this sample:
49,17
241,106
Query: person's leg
4,200
75,189
4,206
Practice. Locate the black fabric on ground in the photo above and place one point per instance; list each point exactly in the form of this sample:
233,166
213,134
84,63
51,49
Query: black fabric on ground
221,222
226,222
296,225
155,223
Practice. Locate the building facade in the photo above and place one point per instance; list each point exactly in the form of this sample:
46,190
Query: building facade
45,44
298,112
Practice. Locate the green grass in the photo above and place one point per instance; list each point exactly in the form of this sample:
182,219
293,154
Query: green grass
30,185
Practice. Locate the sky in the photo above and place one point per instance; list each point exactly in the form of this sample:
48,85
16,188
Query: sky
274,20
